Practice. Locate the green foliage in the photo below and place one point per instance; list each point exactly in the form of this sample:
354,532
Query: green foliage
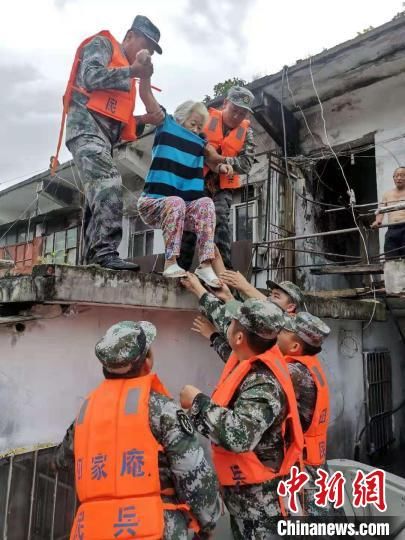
365,30
221,88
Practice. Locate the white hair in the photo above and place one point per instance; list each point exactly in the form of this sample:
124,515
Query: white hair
184,110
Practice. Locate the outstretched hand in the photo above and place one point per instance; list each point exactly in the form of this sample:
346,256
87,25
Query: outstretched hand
234,279
203,326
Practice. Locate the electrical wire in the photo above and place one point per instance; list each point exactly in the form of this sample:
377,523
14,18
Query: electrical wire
299,108
285,152
349,189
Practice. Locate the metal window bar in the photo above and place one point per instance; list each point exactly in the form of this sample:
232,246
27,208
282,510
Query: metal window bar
6,509
34,498
378,399
276,223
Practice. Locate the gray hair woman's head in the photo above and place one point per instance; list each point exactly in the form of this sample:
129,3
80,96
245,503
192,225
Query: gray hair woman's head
192,115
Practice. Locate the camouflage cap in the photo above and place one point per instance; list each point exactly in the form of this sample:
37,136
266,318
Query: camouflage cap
126,342
260,317
241,97
308,327
146,27
289,288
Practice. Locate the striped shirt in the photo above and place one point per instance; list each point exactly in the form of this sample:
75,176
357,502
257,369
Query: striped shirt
177,163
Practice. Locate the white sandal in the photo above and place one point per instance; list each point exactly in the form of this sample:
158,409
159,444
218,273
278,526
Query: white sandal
208,276
174,271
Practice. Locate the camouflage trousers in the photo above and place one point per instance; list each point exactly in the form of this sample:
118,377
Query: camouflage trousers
102,185
175,526
223,234
247,529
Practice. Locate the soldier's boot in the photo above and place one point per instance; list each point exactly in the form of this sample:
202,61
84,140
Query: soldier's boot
113,262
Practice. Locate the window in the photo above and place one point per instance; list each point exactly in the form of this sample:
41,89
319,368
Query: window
17,235
61,247
141,238
378,399
36,502
244,221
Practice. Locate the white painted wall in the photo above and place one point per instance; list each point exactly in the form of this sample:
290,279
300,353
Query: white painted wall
343,364
46,371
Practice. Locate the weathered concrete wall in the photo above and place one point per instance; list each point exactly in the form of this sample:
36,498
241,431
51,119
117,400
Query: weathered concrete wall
387,336
46,371
376,108
342,360
394,276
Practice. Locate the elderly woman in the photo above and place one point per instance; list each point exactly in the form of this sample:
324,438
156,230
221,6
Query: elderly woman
173,198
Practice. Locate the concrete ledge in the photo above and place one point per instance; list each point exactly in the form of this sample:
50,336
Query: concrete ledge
63,284
95,285
339,308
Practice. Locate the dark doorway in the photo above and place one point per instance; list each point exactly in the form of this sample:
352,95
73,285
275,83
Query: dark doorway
330,187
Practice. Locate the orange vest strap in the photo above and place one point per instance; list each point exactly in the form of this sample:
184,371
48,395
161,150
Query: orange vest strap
112,103
246,468
229,145
315,437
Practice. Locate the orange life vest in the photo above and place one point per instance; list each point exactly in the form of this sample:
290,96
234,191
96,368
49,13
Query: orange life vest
115,104
228,146
116,464
246,468
316,435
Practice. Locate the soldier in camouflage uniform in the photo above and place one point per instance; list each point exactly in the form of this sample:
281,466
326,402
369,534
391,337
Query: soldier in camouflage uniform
252,422
183,469
303,335
237,105
214,325
90,137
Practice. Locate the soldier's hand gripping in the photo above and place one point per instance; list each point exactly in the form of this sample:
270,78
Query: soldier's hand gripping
193,284
226,169
202,326
187,395
142,66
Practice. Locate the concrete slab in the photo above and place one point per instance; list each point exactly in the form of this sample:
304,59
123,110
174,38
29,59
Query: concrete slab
63,284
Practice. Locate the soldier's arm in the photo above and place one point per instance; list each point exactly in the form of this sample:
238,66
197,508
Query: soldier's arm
240,429
221,346
64,454
194,479
243,162
214,310
96,75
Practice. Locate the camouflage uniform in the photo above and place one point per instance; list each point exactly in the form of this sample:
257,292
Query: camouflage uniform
90,138
311,330
242,163
251,422
182,465
303,383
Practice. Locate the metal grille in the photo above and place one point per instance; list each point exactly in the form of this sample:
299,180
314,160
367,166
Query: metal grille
277,221
36,503
378,395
